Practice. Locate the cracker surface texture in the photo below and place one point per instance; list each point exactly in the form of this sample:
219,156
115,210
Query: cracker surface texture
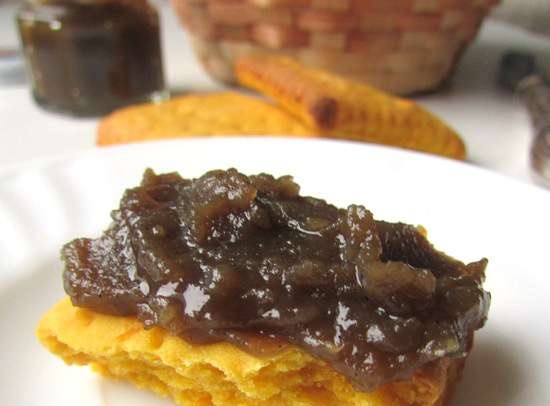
221,374
227,113
341,108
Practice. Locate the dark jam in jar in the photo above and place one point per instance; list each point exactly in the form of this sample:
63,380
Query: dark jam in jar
89,57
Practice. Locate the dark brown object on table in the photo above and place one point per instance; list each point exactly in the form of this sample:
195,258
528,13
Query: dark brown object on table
520,73
90,57
535,93
403,47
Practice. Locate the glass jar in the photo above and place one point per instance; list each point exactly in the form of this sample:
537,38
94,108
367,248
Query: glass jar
89,57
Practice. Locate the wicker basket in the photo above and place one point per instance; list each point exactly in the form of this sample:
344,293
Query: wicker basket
402,46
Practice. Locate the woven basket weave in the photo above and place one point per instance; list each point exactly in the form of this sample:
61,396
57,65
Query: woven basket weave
402,46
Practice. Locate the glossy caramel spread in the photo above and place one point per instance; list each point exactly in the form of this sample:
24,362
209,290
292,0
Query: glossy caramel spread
227,257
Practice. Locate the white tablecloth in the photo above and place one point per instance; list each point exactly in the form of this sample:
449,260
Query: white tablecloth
492,122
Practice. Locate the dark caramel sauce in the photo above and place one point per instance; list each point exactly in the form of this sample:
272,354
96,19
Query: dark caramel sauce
247,260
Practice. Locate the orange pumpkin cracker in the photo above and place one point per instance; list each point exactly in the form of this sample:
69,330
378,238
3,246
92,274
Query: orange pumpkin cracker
221,374
340,108
227,113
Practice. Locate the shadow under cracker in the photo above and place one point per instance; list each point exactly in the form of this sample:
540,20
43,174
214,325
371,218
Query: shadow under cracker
493,376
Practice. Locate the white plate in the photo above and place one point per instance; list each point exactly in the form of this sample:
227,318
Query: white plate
469,212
